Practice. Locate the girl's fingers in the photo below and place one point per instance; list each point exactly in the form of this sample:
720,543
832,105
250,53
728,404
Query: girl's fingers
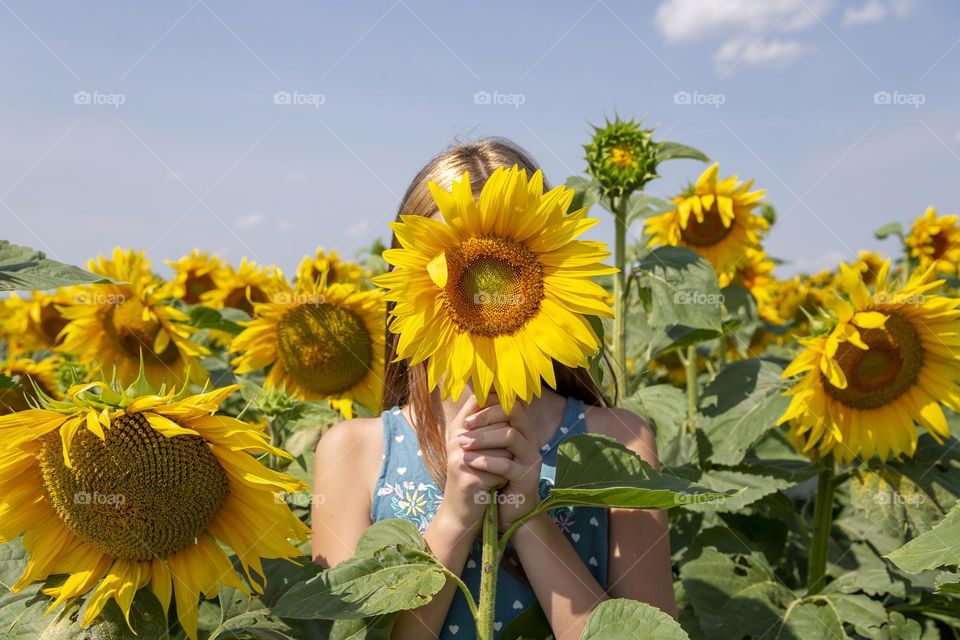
501,466
484,417
497,436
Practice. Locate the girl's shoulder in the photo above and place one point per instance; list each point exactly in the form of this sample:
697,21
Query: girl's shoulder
626,427
352,445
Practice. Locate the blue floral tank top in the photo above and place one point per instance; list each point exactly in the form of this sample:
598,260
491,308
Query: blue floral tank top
406,490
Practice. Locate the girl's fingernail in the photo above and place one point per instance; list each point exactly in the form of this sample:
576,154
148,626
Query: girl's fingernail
465,440
469,422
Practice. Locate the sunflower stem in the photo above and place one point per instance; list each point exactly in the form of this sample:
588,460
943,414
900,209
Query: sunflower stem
489,564
822,523
693,392
619,209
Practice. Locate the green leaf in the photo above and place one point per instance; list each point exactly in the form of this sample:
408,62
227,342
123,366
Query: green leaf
598,471
676,151
893,228
531,624
741,404
207,318
948,583
664,406
375,628
587,192
393,579
893,501
13,560
936,548
621,618
389,532
741,305
750,487
679,288
642,205
26,269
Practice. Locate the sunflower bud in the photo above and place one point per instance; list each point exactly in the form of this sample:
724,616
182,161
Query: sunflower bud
622,156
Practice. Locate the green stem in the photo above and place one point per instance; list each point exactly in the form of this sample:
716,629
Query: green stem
466,594
822,522
619,294
693,391
273,461
489,563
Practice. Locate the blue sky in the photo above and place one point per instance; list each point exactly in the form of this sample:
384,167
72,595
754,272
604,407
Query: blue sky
155,125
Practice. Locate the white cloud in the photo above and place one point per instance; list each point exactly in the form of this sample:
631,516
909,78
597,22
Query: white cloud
870,11
249,221
759,52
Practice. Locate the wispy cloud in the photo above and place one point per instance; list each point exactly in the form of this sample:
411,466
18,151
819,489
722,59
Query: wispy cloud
249,221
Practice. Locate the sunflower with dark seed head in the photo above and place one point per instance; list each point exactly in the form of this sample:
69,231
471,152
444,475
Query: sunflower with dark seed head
889,364
622,156
193,276
868,265
715,219
755,274
325,342
935,240
498,289
243,287
31,376
35,323
120,490
328,268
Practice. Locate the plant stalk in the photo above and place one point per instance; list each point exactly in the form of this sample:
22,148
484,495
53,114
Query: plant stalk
822,523
619,294
489,564
693,391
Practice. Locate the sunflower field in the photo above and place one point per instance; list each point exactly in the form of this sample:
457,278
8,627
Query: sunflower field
159,420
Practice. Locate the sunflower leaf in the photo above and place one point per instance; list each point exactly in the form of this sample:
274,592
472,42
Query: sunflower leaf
679,288
676,151
935,548
586,192
621,618
26,269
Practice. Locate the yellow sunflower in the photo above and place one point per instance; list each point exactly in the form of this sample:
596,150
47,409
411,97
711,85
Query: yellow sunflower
31,375
113,326
242,288
118,490
328,267
935,240
714,219
868,264
193,276
320,343
498,289
889,363
35,323
755,274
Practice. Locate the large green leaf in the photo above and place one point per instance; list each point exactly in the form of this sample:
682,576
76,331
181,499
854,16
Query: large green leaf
938,547
531,624
595,470
26,269
739,406
389,532
679,287
665,407
621,618
750,487
677,151
392,579
893,501
13,560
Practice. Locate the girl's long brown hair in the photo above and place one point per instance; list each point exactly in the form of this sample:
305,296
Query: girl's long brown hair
406,385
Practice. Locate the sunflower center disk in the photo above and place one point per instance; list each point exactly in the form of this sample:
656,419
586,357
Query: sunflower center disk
494,286
326,348
237,299
51,322
940,245
621,156
706,233
137,495
131,334
196,285
885,371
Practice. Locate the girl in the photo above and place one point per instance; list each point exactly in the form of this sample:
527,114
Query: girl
432,462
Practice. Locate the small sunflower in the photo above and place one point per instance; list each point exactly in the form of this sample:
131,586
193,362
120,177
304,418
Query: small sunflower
622,156
329,268
123,489
120,324
868,264
31,375
755,274
320,343
193,276
35,323
715,219
935,240
498,289
244,287
888,364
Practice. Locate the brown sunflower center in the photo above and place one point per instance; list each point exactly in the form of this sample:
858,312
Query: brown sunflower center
881,374
621,156
940,245
706,233
326,348
237,299
127,329
494,286
137,495
196,285
52,322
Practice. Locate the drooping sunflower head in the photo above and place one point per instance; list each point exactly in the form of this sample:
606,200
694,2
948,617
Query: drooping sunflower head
715,219
497,289
321,343
243,287
622,156
193,276
887,365
120,489
327,268
935,240
868,265
34,323
33,379
115,326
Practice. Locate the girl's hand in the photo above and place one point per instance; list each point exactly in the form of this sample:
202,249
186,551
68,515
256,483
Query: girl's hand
490,433
464,497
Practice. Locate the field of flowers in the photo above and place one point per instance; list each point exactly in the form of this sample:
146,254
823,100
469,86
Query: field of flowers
157,432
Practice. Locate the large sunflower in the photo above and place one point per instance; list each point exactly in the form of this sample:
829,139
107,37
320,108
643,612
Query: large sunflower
498,289
329,268
715,219
119,490
117,325
193,276
243,287
35,323
319,343
31,375
889,363
935,240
